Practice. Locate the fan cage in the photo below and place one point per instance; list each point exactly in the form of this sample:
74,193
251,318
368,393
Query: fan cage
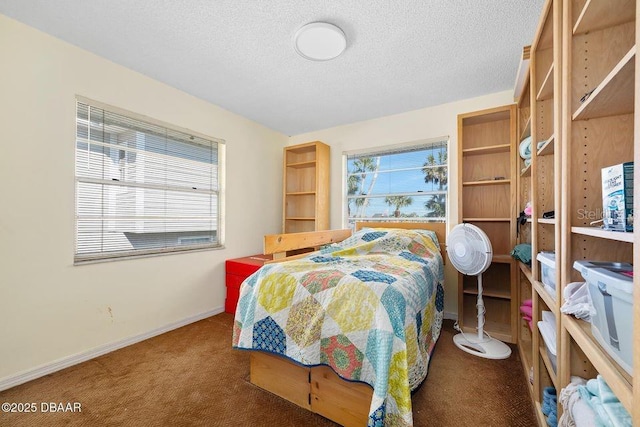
469,249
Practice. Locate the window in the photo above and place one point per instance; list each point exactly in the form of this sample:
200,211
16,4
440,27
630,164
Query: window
398,184
143,188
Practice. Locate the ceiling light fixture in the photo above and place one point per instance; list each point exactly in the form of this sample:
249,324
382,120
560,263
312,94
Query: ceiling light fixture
319,41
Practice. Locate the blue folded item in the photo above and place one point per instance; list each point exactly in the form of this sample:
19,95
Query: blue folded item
549,401
550,406
525,148
604,403
612,406
552,420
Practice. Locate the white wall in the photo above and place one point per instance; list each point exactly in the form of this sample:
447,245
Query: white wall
50,309
415,125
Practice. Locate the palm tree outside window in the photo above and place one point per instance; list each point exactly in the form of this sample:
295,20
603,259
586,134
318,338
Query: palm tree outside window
409,183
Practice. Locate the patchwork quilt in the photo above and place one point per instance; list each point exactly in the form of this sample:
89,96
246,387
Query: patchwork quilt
369,307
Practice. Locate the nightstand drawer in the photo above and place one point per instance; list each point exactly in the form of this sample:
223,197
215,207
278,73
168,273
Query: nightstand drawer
237,270
233,282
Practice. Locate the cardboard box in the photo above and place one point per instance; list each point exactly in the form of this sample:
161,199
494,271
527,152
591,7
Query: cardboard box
617,197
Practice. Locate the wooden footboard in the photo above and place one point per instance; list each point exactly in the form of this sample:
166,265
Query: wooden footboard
344,402
317,389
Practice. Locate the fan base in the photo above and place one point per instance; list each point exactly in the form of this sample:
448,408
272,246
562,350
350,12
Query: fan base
489,348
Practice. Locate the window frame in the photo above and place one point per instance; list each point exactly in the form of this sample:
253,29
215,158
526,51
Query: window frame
80,259
387,150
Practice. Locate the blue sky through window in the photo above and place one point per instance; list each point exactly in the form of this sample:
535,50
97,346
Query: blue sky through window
398,174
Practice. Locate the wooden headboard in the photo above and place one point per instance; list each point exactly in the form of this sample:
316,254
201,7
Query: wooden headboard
279,244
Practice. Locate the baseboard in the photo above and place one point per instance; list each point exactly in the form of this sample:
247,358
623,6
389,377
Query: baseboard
65,362
450,316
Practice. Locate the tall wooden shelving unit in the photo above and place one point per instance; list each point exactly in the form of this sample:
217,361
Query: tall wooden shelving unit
305,203
600,39
583,81
486,152
524,275
546,121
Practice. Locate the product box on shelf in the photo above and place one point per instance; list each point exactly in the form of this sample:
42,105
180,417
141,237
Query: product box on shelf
617,197
548,270
610,287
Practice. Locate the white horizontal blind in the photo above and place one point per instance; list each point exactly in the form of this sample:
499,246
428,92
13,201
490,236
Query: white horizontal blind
399,184
142,188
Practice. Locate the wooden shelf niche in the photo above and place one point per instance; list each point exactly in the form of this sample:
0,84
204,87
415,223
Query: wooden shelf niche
306,188
487,182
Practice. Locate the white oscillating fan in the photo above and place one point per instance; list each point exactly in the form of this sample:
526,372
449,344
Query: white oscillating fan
470,252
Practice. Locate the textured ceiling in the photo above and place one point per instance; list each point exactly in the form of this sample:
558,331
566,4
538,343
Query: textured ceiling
401,55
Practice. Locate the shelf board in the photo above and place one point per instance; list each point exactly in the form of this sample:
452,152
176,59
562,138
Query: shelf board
603,234
491,149
487,182
547,221
527,129
527,347
614,95
542,419
486,116
596,15
486,219
547,362
526,171
546,296
502,259
300,165
492,293
300,218
525,358
301,193
617,378
526,270
546,90
548,147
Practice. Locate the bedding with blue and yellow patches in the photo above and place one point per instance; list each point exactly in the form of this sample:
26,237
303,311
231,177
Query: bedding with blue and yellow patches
369,307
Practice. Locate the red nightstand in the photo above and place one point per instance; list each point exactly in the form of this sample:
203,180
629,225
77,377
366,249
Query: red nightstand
237,270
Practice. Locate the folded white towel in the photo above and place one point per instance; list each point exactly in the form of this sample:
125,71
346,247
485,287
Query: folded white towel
548,333
576,412
582,413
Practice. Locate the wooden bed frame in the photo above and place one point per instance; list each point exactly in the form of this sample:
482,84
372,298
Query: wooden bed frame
319,389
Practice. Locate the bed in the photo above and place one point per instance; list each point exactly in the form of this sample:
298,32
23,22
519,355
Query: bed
346,331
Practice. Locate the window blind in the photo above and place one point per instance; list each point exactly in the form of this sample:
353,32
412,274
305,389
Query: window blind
398,184
142,188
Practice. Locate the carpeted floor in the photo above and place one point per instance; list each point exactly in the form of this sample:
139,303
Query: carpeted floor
192,376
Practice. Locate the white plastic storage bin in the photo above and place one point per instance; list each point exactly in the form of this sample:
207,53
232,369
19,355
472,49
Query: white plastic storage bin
611,293
547,328
548,270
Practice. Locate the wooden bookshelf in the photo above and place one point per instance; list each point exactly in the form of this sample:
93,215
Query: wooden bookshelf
487,149
305,203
